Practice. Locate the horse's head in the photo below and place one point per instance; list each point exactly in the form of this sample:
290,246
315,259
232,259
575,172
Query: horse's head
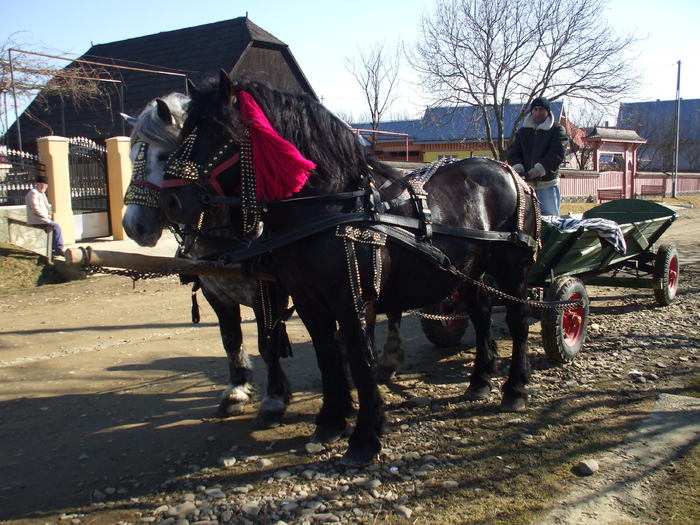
207,160
154,136
248,139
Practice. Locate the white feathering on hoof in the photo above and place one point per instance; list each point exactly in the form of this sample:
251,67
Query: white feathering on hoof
238,394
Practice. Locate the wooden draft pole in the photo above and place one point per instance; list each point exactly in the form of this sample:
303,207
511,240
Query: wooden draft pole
151,263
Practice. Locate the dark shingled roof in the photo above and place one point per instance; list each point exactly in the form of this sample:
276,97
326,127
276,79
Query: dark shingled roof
653,120
237,46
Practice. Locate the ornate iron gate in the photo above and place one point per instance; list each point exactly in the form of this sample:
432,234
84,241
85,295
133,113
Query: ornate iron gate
88,183
88,176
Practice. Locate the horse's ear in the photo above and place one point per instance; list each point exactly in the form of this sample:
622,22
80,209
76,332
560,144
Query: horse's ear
226,86
164,111
129,119
191,88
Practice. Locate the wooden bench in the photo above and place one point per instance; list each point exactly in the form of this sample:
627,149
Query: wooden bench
653,190
609,194
37,238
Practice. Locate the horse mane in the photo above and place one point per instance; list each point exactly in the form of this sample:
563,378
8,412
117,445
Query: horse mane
317,133
150,127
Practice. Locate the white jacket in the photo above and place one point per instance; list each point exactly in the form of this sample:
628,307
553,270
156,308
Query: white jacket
38,207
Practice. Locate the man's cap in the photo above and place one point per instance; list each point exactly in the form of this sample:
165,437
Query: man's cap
42,178
542,102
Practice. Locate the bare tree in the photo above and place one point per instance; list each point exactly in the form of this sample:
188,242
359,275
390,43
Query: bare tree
377,73
486,53
586,119
345,116
26,75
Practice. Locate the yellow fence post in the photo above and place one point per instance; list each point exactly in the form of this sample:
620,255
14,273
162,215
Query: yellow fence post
53,154
118,178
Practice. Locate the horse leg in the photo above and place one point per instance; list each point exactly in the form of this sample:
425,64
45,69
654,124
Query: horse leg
514,390
239,367
479,309
273,344
393,354
364,442
337,401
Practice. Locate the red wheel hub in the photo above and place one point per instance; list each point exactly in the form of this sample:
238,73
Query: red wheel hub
572,322
672,276
447,308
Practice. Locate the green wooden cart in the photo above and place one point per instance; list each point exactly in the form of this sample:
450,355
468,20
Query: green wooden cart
570,260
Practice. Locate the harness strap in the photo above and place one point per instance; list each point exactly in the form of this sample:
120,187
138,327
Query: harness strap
309,228
236,201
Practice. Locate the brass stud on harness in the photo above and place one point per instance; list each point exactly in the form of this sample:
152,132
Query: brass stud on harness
139,192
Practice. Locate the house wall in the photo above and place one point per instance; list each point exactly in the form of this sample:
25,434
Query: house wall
432,156
430,152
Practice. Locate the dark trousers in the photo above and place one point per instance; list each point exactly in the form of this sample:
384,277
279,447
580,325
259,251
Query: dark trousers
57,244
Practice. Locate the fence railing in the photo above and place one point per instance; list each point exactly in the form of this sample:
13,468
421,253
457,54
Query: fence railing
18,172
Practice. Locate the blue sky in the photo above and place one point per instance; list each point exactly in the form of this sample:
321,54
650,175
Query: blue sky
323,34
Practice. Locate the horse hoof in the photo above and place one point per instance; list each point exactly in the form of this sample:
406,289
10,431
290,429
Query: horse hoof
385,374
325,434
269,419
271,412
358,458
478,393
513,403
228,409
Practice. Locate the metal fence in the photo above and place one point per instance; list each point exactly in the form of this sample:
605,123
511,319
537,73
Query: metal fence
18,172
88,176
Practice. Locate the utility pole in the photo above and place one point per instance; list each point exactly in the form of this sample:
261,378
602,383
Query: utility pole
14,98
674,187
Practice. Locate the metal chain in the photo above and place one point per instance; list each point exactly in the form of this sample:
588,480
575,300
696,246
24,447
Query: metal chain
560,306
135,275
438,317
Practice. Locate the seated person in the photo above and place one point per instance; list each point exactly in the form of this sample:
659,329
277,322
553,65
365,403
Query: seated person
39,212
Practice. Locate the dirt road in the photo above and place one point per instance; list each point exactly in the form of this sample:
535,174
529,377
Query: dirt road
108,394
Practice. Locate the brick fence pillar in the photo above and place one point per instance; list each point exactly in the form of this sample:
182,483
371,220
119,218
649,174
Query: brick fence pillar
118,177
53,154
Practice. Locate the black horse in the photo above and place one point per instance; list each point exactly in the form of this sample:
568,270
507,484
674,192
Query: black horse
153,138
354,238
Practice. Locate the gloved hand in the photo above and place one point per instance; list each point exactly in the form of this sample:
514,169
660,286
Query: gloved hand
532,174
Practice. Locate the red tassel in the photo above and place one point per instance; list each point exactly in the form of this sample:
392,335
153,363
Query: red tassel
280,169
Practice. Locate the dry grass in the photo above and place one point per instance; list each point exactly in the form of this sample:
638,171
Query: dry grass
21,269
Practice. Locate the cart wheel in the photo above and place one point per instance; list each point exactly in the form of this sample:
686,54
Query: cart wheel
563,333
665,280
443,333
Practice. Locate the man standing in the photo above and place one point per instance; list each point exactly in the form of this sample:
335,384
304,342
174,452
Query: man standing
536,152
39,211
